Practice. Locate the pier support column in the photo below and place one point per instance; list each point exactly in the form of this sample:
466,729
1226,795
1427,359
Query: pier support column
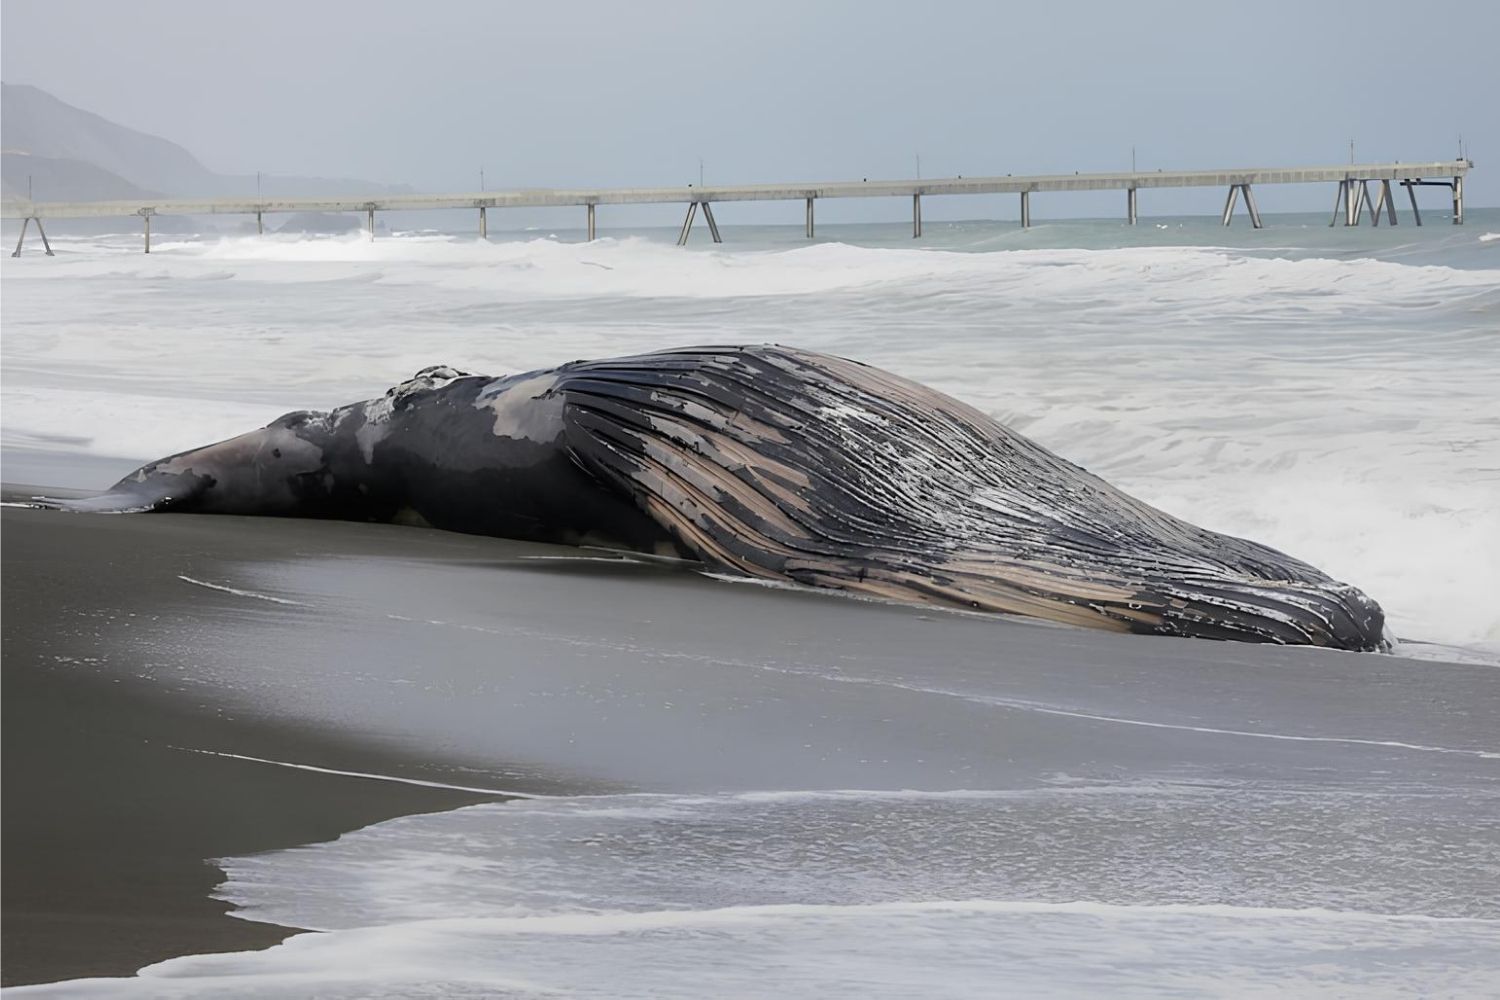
148,232
47,246
484,224
713,227
260,225
591,223
916,216
1230,202
1379,205
1130,204
24,223
1250,207
1356,201
1338,198
1025,209
1411,192
809,218
687,224
1389,201
1458,201
371,213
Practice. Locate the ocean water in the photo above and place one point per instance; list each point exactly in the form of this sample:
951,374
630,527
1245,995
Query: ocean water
1327,391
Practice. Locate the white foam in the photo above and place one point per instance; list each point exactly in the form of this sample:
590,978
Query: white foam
367,775
938,948
254,595
1334,408
859,893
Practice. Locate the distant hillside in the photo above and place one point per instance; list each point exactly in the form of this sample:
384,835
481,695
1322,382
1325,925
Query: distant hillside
47,178
75,155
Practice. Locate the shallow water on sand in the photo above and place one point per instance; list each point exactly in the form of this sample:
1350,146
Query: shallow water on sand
832,798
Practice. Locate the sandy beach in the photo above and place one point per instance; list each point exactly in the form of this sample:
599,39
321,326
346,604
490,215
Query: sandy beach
138,648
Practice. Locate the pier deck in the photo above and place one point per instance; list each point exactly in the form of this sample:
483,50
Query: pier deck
1353,181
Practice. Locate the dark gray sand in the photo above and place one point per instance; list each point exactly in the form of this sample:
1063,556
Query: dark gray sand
107,826
485,663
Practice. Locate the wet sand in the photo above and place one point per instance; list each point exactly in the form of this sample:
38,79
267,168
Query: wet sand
131,640
108,823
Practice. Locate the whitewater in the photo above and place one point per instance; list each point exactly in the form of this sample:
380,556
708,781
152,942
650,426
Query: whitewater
858,801
1337,402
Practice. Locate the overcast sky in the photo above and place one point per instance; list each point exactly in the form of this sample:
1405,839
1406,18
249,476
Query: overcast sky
623,93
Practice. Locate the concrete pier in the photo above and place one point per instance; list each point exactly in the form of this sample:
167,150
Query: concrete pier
1352,194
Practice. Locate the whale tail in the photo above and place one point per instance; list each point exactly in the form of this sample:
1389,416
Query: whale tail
787,465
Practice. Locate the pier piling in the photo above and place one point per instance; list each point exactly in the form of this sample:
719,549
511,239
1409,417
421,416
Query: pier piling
591,222
371,212
687,224
147,217
713,227
916,216
1230,201
260,225
1025,209
809,218
24,223
1235,190
1130,204
1458,201
484,225
1250,207
1411,192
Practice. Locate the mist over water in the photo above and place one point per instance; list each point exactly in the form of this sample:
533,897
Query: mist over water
1327,391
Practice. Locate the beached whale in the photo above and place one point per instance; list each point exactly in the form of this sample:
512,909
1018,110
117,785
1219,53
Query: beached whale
774,463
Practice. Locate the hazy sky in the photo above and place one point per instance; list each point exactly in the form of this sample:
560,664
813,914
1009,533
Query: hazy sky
623,93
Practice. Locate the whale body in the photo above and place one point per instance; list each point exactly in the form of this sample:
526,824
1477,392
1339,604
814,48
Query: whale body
774,463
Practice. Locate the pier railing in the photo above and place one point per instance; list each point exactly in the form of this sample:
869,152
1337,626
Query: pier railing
1353,199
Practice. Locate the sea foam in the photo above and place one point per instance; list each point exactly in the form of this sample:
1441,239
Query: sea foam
1338,408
